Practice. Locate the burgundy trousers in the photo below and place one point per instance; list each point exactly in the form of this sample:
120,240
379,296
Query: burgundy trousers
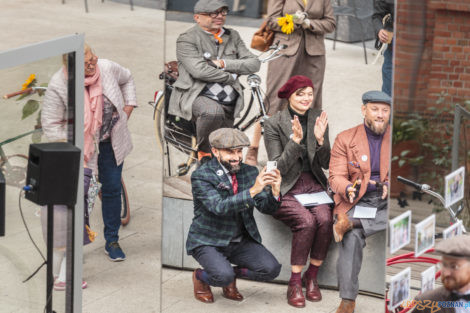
311,227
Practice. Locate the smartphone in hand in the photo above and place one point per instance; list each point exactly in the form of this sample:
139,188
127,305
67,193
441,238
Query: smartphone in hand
271,166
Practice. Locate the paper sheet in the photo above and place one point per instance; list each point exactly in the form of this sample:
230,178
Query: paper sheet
312,199
364,212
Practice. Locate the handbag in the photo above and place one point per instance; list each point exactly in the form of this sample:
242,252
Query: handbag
262,38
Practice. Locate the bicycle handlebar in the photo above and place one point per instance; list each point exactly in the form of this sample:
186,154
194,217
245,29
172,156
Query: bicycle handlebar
27,90
410,183
276,48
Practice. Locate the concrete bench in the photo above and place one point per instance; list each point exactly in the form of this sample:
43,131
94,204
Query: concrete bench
177,217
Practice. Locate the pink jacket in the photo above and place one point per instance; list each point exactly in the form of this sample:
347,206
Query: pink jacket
352,145
118,87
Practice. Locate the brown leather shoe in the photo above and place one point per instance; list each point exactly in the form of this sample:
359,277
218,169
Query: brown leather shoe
251,157
231,292
341,226
295,296
346,306
313,290
202,291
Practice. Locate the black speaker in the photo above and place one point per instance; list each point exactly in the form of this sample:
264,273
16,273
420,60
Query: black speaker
52,174
2,204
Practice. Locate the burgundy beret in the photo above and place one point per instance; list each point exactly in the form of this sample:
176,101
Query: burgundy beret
294,83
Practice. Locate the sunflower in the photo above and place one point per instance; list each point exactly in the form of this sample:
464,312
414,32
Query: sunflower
31,79
286,23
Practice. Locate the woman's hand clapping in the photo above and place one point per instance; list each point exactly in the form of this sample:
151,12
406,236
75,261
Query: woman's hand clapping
321,123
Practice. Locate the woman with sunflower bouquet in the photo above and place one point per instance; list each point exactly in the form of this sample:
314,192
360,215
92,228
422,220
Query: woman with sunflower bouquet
301,25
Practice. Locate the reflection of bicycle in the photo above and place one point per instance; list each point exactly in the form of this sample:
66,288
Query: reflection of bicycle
408,258
14,166
181,134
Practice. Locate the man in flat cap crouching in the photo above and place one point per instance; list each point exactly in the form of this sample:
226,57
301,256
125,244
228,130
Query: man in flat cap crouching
210,60
359,175
223,230
454,296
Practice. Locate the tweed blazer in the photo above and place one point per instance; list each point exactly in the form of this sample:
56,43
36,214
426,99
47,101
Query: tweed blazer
215,206
118,87
195,72
288,154
352,145
425,301
320,14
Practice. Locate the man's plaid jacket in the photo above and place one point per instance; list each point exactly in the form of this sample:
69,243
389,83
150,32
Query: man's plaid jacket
216,207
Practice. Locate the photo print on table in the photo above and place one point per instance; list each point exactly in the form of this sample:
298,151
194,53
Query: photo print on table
424,238
453,230
454,186
428,278
400,288
400,231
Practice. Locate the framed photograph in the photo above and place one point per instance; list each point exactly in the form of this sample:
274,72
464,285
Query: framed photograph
400,231
453,230
454,187
428,278
400,288
424,238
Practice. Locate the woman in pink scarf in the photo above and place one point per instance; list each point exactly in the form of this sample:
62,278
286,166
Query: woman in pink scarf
108,102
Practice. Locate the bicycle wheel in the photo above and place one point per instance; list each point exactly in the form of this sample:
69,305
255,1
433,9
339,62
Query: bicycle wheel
125,207
14,169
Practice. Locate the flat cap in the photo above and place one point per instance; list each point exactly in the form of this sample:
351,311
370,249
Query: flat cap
458,246
228,138
207,6
294,83
376,96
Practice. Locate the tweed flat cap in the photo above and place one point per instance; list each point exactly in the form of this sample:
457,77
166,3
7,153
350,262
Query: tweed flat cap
376,96
207,6
228,138
458,246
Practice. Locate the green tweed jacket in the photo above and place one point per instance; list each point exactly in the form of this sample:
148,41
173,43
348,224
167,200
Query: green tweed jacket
215,205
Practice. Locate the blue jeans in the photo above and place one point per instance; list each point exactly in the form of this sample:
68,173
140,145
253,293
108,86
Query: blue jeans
110,178
387,69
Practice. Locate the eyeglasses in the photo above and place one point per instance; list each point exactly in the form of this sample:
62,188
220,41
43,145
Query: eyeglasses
453,267
222,12
92,61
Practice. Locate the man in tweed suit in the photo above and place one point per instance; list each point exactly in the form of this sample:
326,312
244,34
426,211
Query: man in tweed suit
210,60
454,296
223,231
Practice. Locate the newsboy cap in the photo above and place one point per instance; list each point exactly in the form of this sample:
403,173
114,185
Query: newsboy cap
294,83
376,96
207,6
458,246
228,138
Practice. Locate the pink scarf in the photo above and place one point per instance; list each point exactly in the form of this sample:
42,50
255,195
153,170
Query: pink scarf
93,112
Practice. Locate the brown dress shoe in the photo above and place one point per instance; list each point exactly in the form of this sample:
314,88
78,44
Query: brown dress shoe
346,306
341,226
231,292
295,296
313,291
202,291
251,157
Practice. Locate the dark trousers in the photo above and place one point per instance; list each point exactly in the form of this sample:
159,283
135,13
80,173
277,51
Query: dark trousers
210,115
110,178
311,227
216,261
353,243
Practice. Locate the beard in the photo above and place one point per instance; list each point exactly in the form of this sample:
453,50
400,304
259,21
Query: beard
230,165
451,283
377,129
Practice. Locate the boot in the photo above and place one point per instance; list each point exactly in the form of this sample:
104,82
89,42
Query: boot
341,226
346,306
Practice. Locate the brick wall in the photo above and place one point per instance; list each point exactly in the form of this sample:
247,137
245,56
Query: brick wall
432,53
